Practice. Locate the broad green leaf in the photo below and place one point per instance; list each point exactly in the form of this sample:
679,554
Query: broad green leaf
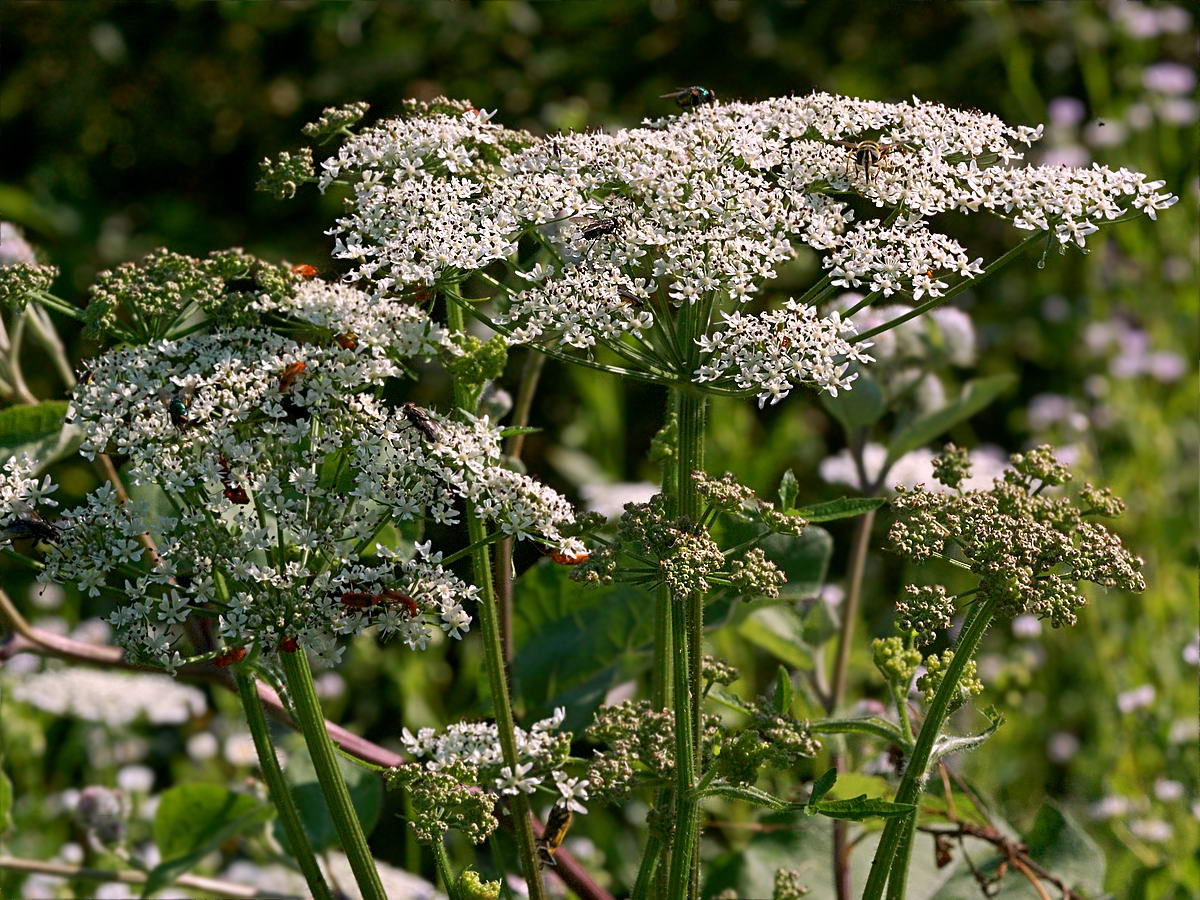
818,624
862,807
38,431
859,407
788,489
575,642
777,629
842,508
366,793
1055,842
748,794
803,558
192,820
975,396
783,691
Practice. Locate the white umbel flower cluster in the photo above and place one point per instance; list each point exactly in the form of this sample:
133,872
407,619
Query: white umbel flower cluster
606,235
540,751
284,492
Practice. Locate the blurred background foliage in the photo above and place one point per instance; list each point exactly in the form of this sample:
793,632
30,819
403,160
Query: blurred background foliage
129,126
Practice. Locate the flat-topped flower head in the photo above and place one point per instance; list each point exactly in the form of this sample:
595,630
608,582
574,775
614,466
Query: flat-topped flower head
281,486
598,239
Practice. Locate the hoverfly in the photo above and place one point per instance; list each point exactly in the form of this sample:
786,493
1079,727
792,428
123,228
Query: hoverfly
288,376
869,155
690,97
419,419
557,824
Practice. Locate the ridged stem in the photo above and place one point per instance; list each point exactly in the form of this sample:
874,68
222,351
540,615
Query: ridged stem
337,797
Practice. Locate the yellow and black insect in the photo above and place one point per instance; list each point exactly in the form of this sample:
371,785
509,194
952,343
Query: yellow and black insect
869,155
557,825
419,419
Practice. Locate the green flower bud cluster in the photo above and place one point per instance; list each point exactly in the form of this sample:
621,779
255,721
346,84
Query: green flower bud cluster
1030,548
280,177
897,662
790,739
717,671
952,467
756,576
469,886
479,362
335,119
788,885
968,684
444,799
20,279
727,494
925,610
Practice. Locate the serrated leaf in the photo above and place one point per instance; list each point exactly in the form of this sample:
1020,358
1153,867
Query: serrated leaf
975,396
862,807
783,691
859,407
842,508
748,794
191,821
573,642
789,488
38,430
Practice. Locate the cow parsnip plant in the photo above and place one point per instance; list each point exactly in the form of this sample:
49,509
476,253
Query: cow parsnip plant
262,407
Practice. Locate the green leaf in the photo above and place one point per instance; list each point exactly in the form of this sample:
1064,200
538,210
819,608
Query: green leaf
975,396
366,794
783,691
519,429
842,508
818,625
862,807
575,642
777,629
729,700
748,794
859,407
788,490
191,821
38,430
803,558
822,786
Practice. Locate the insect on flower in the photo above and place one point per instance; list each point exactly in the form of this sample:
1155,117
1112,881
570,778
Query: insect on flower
690,97
178,411
229,657
304,270
869,155
233,493
393,598
569,559
29,527
288,376
347,340
289,645
419,419
358,599
557,825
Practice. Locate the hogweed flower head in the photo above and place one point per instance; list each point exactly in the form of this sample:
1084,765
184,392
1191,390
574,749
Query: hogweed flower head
604,236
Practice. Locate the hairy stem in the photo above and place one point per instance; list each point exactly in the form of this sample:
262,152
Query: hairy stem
333,785
277,786
493,648
890,867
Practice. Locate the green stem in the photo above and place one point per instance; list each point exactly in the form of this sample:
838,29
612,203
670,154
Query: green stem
320,748
489,628
895,847
442,860
277,786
